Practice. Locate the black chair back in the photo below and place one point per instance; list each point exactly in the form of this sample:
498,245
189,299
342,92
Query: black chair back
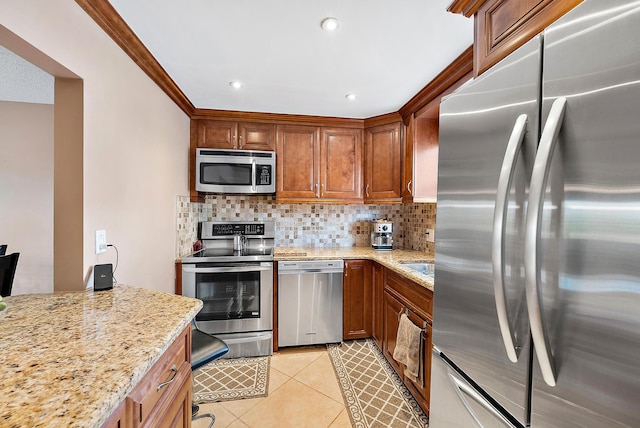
3,249
8,266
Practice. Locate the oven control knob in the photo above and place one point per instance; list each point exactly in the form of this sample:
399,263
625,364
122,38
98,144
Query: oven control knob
384,228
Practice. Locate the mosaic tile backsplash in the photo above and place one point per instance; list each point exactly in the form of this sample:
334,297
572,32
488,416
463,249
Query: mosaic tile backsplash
308,225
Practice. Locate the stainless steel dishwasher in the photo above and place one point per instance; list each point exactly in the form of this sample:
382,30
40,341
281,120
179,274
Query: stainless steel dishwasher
309,302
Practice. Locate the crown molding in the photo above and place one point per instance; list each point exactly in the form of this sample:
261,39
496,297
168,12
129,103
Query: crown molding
460,67
466,7
103,13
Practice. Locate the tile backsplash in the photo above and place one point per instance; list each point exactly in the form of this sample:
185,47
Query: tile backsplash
308,225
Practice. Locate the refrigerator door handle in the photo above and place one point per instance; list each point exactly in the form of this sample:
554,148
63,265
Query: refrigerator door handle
539,177
499,225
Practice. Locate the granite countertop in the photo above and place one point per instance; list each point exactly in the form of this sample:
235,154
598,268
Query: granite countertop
391,259
69,358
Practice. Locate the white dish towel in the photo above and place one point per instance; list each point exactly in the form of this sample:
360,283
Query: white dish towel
408,348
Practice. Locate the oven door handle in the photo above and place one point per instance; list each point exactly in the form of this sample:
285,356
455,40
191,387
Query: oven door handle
225,269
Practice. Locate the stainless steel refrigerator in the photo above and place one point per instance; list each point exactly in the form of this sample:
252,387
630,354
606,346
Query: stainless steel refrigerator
537,267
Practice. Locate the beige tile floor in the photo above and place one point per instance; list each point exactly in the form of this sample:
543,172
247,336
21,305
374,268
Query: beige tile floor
303,392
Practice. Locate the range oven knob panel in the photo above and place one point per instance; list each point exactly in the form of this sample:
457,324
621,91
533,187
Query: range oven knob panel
237,229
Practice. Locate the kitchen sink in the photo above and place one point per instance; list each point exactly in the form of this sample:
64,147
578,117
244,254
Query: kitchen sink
423,268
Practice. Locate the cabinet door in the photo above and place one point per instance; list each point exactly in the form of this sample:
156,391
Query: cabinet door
419,389
178,413
382,160
341,168
217,134
256,136
407,161
426,159
392,308
501,26
357,303
378,308
298,162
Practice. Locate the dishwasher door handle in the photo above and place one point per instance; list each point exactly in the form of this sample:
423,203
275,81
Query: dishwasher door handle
302,271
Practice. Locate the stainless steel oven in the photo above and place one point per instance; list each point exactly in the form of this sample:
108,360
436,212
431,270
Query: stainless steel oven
234,284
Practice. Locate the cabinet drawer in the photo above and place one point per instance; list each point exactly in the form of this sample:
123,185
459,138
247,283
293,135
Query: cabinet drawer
414,296
163,378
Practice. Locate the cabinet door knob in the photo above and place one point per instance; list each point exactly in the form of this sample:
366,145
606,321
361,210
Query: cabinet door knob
241,141
317,190
366,190
409,183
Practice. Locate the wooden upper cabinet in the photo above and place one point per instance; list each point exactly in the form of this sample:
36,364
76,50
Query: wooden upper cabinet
314,163
382,164
256,136
406,152
214,134
426,157
218,134
298,162
504,25
341,163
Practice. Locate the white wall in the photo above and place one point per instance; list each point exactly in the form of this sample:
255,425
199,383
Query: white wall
26,200
136,141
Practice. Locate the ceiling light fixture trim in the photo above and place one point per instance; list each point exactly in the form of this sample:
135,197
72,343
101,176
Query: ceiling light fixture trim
236,84
351,97
330,24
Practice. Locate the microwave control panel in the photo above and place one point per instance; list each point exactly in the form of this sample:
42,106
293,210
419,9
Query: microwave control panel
263,175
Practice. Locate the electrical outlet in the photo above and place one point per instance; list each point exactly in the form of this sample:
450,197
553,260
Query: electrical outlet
101,241
431,236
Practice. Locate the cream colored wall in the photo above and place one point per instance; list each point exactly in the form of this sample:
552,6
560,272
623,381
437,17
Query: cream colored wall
135,142
26,201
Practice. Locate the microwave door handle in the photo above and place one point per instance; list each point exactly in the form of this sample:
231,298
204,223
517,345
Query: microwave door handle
224,269
253,175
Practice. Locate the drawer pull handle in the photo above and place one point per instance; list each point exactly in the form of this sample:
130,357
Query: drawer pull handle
174,369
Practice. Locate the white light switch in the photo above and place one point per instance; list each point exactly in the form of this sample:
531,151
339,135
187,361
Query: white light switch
101,241
431,235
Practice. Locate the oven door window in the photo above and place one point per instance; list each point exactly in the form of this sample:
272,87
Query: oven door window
225,174
228,295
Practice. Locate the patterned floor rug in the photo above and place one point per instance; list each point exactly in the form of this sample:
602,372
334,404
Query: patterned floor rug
231,379
373,392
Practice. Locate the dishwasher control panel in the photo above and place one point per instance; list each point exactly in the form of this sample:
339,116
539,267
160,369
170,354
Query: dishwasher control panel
329,266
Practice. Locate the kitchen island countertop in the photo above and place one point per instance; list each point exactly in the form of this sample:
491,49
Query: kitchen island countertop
391,259
70,358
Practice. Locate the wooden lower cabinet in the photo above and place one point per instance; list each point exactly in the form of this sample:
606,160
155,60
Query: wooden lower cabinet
121,417
377,325
402,295
392,308
163,397
357,299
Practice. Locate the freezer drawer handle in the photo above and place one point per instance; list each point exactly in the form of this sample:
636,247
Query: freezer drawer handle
463,391
499,225
539,177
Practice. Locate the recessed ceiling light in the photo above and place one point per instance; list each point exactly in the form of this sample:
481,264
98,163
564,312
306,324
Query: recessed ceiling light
329,24
236,84
351,97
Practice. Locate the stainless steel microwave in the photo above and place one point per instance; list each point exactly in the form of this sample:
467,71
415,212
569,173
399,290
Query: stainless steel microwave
235,171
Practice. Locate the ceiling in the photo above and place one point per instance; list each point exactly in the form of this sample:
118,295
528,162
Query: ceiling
384,51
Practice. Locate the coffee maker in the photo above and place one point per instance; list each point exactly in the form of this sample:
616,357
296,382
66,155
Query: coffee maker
381,235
